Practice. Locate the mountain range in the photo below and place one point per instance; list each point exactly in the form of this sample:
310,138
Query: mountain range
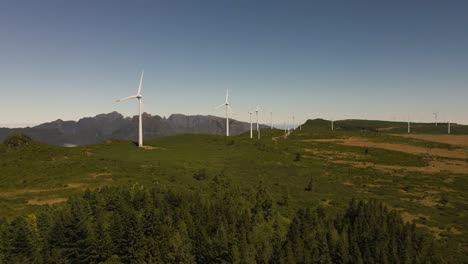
90,130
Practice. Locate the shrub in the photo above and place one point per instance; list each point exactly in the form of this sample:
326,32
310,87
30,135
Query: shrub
200,175
310,185
298,157
16,141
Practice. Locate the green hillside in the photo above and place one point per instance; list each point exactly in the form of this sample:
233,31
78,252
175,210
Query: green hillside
386,126
299,171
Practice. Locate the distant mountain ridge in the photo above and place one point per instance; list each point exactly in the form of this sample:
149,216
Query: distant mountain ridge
90,130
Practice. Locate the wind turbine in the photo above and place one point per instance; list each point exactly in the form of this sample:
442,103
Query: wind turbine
226,103
448,127
137,96
293,122
409,125
435,116
258,127
271,119
250,114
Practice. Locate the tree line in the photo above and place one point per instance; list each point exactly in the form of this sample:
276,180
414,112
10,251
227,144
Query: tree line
154,224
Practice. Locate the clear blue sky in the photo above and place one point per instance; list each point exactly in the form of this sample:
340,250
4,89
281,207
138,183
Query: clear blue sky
340,59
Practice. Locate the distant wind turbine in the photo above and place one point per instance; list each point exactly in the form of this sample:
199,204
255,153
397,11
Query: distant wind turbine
271,119
409,125
448,127
250,114
293,122
258,127
435,116
226,103
137,96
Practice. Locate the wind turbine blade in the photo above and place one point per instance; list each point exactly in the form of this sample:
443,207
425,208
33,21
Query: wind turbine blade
219,106
126,98
141,83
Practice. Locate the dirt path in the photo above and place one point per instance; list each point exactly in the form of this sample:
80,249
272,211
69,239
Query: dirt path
19,192
360,142
436,164
37,201
457,140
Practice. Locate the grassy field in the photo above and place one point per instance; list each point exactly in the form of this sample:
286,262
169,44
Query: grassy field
424,179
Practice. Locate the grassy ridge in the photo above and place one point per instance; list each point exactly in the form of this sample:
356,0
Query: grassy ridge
385,126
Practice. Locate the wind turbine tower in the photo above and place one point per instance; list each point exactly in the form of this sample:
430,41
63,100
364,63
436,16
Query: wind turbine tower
251,130
258,127
435,116
448,131
293,122
226,103
271,119
140,121
409,125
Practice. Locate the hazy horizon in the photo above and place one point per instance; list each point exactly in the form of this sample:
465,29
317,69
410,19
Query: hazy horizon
361,60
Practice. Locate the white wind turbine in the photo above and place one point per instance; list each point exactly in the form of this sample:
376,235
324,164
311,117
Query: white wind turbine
226,103
435,116
140,124
258,127
293,122
251,126
409,125
448,127
271,119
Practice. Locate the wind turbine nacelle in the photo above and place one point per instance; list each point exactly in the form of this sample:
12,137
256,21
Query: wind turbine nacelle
139,96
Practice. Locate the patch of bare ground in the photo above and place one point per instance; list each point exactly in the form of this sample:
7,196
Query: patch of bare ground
347,183
457,140
361,142
325,202
435,166
428,198
438,152
435,230
449,180
334,154
99,174
39,201
59,158
334,140
19,192
409,217
153,148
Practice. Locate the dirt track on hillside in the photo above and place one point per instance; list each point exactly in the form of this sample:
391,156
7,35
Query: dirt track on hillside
361,142
438,158
457,140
